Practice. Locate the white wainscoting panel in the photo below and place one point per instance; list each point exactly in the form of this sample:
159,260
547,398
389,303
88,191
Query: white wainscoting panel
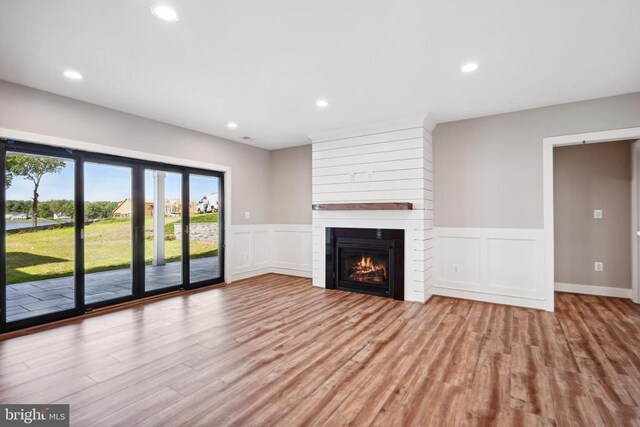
291,249
260,248
462,255
504,266
284,248
243,249
270,248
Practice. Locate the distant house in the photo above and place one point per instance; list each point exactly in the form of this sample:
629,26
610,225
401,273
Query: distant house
125,209
16,216
61,216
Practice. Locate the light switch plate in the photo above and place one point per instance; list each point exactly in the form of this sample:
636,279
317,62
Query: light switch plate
597,214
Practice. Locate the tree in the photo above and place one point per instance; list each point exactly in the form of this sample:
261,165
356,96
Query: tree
45,210
33,169
9,165
99,210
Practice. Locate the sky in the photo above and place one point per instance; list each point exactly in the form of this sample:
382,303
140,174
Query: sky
106,183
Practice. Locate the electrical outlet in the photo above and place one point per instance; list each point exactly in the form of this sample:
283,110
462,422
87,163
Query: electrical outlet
598,266
597,214
247,215
456,268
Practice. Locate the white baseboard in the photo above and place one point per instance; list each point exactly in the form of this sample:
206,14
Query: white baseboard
260,271
604,291
249,273
292,272
488,297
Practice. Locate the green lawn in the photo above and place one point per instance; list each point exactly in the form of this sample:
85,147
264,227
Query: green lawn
43,254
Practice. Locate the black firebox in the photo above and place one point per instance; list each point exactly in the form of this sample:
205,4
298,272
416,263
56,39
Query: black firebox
366,260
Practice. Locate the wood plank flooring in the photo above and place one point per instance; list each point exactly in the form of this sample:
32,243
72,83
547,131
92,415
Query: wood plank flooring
272,350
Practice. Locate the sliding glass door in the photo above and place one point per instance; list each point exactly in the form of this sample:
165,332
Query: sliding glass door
204,228
108,232
84,230
163,229
39,253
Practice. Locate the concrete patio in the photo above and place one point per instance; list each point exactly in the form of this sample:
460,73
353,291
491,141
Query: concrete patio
36,298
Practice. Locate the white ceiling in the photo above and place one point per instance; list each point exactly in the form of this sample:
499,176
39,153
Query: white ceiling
263,63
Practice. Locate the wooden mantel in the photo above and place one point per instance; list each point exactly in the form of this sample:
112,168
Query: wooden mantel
390,206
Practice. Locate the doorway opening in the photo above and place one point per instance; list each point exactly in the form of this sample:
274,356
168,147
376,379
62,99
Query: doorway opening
590,200
592,216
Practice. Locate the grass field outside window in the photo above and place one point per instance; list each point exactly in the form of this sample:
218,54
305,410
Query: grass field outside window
45,254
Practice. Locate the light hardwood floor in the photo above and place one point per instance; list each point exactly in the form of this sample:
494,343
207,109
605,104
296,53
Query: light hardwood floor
273,350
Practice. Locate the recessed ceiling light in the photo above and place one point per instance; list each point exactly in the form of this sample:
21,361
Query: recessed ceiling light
322,103
467,68
165,13
73,75
232,125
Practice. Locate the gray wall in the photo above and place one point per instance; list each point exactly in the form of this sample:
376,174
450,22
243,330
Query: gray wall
588,177
488,171
31,110
290,201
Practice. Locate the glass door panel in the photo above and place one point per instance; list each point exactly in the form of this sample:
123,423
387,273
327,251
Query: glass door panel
204,228
40,235
108,237
163,229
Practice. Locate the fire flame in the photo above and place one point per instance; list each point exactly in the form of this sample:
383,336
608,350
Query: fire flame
366,265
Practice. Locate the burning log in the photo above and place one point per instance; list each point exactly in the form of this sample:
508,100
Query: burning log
366,270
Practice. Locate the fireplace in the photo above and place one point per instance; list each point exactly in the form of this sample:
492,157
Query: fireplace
365,260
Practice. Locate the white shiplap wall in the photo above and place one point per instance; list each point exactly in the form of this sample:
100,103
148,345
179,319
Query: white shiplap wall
386,163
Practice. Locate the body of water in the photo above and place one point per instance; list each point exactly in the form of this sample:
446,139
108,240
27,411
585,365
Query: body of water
14,225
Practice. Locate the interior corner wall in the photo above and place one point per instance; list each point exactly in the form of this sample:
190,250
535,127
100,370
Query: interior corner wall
34,111
588,177
290,185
